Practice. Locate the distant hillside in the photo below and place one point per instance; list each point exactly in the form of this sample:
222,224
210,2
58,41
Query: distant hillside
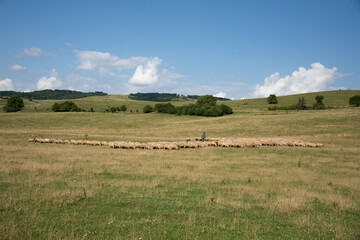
51,94
165,97
336,98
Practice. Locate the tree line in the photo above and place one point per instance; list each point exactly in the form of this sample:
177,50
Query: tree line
301,104
51,94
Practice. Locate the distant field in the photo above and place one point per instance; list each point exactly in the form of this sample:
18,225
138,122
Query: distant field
87,192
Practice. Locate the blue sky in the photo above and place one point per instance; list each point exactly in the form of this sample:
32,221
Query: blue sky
233,49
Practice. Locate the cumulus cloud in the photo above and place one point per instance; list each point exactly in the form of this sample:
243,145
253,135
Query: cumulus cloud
146,74
316,78
18,68
6,85
51,82
220,94
105,63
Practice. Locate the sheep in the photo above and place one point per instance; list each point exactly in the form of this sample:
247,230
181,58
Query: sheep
181,144
59,141
222,142
147,146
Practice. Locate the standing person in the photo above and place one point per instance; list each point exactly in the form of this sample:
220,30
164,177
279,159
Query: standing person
203,137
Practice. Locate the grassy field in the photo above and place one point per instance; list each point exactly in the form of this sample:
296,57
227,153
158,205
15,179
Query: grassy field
87,192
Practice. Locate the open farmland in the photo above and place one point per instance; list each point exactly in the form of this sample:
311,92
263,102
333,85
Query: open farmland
50,191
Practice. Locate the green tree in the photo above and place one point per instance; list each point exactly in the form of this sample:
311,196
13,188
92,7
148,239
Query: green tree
207,99
147,109
272,99
13,104
301,105
355,100
319,102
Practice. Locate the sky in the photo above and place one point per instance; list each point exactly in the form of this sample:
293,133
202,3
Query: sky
234,49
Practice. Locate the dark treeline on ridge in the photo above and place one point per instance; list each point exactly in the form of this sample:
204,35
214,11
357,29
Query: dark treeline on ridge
166,97
51,94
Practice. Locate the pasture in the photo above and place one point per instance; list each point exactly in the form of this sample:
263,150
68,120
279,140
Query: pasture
56,191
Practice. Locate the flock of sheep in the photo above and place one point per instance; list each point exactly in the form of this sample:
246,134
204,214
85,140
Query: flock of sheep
209,142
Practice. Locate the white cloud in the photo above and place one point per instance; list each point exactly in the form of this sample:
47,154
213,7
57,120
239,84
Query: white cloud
6,85
50,83
317,78
34,52
147,74
81,83
18,68
220,94
105,63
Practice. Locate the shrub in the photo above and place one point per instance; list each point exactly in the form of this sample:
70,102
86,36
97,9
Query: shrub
226,109
147,109
165,108
272,99
123,108
13,104
67,106
181,110
354,100
113,109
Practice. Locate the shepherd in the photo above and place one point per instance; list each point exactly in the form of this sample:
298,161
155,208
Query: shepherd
203,137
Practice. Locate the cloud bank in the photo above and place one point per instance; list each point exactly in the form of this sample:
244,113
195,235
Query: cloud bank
317,78
51,82
6,85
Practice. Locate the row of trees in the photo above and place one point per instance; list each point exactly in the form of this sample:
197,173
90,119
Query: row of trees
301,104
51,94
272,99
122,108
205,106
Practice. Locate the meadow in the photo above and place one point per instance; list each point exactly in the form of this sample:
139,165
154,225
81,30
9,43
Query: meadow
50,191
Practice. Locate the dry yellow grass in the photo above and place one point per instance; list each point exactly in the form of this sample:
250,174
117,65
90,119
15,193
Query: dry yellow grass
223,193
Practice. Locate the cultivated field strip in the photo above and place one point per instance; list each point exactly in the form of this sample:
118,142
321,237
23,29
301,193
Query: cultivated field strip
209,142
